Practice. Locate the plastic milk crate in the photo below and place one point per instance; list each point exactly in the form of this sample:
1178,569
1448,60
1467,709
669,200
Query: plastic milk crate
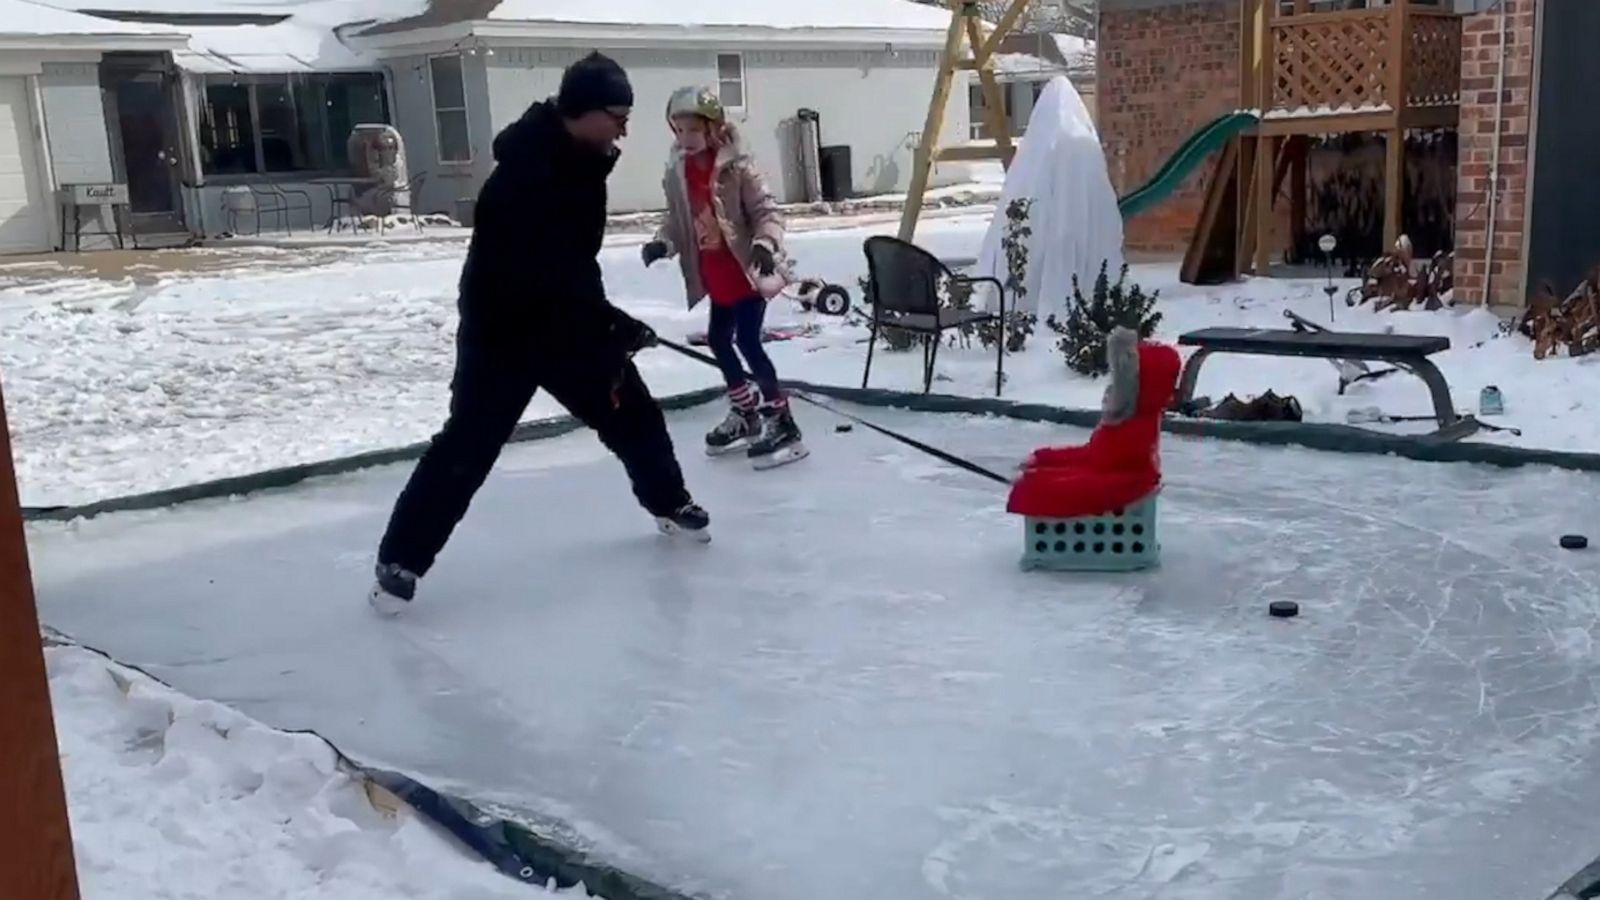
1123,540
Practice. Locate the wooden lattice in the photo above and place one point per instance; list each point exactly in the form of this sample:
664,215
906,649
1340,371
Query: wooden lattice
1433,60
1331,61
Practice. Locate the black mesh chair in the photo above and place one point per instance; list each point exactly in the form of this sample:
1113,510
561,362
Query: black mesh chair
904,280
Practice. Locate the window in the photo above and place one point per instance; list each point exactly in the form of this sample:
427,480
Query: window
286,123
730,80
450,109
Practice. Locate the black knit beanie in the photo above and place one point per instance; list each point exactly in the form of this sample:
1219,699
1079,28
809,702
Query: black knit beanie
594,82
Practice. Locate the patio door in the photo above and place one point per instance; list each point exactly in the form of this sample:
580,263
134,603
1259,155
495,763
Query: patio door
142,113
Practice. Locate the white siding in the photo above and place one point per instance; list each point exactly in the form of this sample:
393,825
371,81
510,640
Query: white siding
24,217
413,116
875,102
519,76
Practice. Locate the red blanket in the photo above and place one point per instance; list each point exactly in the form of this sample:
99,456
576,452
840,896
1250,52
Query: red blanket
1119,466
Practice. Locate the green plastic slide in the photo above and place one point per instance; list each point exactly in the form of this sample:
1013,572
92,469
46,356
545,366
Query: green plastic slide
1200,145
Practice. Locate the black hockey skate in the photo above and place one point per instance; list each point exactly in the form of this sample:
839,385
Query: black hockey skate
395,588
689,520
779,443
734,433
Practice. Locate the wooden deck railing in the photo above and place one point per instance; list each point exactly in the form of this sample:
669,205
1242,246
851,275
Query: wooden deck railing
1345,61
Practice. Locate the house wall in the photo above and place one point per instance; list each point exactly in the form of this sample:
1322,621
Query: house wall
413,116
875,102
1165,68
80,146
1480,56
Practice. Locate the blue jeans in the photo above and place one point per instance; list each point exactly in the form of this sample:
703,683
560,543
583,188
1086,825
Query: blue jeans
740,324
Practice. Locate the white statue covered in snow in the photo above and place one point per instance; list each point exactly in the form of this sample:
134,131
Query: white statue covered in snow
1074,217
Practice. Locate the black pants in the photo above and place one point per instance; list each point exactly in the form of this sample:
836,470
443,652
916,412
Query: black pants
740,325
487,400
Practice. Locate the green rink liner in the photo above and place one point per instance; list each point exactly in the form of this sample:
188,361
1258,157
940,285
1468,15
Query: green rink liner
1310,435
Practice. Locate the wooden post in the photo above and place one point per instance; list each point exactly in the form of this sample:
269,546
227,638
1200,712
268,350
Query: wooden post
994,103
1299,166
1394,169
36,859
928,146
963,25
1266,155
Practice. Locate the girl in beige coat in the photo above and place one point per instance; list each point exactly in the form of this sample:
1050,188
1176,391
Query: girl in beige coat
723,224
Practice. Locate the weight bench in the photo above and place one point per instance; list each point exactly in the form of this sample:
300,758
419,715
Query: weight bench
1406,352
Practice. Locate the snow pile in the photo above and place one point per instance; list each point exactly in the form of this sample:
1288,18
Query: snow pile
178,799
1075,221
306,41
24,17
818,14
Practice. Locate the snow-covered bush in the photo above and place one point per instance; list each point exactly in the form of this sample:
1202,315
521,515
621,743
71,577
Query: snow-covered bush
1019,325
1089,320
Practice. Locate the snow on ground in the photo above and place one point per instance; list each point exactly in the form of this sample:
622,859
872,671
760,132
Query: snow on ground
115,387
179,799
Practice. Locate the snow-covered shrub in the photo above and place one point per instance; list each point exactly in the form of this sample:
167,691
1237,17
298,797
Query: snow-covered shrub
1019,325
1089,320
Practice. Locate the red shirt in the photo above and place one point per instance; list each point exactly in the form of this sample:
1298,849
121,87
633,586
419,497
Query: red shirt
725,280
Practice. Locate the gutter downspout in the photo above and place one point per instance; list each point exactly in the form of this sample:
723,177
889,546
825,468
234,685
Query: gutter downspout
1494,158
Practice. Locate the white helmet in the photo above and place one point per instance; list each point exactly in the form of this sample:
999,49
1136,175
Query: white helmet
696,101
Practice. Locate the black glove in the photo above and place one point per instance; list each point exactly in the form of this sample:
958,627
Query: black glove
633,335
761,255
653,251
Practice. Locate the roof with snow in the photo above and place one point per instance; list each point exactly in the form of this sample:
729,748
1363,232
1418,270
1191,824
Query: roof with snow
819,19
244,36
25,23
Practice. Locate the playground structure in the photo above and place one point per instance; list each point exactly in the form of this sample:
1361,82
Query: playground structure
1385,69
1303,72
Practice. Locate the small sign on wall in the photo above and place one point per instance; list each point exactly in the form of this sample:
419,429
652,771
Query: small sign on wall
95,194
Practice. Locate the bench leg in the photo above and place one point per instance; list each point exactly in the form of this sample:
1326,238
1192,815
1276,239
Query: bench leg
1443,408
1190,377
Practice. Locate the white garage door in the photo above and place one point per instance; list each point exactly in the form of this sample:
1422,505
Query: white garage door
24,221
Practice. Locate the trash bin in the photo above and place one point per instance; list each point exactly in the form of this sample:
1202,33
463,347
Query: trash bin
836,184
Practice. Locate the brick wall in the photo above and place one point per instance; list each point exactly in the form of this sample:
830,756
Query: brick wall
1164,71
1480,57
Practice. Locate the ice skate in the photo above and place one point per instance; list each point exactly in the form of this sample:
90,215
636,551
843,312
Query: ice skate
779,443
734,433
395,588
689,520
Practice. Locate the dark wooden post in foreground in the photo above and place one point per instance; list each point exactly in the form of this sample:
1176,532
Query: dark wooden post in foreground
36,860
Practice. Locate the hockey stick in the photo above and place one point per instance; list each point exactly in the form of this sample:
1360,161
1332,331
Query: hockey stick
935,452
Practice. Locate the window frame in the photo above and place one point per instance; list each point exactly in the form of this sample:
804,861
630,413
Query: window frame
743,81
464,110
335,165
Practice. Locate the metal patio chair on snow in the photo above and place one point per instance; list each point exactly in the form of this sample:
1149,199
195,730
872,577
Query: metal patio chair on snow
904,280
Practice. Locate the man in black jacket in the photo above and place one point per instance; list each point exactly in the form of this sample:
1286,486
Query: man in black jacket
534,314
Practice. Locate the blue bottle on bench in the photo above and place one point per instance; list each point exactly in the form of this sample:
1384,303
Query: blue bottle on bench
1491,402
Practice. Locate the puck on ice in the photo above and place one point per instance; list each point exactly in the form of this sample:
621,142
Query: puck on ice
1283,609
1574,542
842,427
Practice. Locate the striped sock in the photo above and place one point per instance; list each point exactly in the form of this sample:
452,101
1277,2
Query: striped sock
744,397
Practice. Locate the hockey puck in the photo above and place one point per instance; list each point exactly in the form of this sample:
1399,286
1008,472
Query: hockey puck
1574,542
842,427
1283,609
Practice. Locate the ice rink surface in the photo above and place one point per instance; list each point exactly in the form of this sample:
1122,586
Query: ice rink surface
855,693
